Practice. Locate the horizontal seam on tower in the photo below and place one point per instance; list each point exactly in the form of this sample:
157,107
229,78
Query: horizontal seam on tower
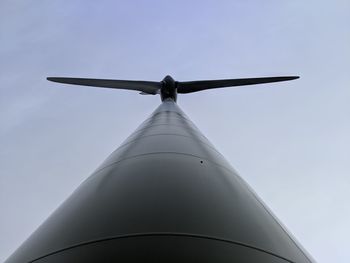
181,135
177,116
145,128
160,234
154,153
163,124
167,124
167,111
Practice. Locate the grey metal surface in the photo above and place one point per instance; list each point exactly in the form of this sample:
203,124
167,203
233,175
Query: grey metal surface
166,194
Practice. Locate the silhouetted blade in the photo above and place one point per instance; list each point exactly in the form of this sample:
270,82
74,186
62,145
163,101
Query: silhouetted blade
149,87
194,86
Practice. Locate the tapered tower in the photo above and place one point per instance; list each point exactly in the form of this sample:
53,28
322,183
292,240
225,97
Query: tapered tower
165,195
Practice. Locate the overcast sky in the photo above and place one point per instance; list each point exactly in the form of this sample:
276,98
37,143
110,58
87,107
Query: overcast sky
289,141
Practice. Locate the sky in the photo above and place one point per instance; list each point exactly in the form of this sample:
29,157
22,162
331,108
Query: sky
289,141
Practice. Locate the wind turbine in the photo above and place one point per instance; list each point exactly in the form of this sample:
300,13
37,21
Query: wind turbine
165,195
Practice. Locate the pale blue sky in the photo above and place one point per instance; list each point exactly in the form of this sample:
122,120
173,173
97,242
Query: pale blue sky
289,141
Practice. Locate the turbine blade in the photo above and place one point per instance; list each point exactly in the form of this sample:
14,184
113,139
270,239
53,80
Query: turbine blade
149,87
194,86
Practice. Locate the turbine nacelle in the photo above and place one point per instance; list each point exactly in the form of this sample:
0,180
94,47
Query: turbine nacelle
168,89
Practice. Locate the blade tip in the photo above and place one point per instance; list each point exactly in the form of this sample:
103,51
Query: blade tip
54,79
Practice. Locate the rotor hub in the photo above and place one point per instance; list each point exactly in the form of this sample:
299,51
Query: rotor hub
168,89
